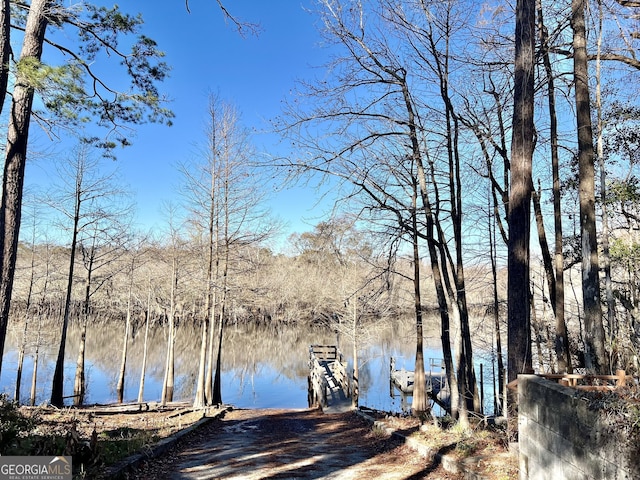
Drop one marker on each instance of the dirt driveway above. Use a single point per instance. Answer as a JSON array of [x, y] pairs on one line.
[[286, 444]]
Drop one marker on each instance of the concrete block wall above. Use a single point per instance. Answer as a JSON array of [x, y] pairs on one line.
[[559, 437]]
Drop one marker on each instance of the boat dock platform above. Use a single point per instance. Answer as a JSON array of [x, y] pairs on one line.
[[329, 386], [437, 386]]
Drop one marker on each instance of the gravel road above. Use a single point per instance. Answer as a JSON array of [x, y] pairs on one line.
[[290, 444]]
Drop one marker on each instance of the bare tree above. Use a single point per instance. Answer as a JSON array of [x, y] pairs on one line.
[[147, 321], [100, 248], [28, 301], [86, 200], [242, 26], [224, 200], [176, 252], [134, 254]]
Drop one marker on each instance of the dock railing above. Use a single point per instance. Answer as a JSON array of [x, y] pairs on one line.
[[584, 381], [326, 364], [325, 353]]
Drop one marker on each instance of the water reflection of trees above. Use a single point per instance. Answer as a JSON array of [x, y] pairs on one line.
[[251, 351]]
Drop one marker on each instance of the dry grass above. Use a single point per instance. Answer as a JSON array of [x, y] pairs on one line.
[[97, 437], [481, 448]]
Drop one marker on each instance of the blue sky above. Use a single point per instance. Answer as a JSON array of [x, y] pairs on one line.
[[207, 55], [254, 73]]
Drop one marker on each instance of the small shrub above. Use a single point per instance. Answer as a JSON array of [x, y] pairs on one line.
[[619, 412], [13, 425]]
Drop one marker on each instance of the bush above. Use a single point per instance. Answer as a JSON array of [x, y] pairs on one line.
[[13, 425]]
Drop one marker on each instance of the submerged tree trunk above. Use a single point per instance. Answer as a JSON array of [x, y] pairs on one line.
[[169, 372], [146, 345], [21, 349], [34, 374], [204, 387], [79, 387], [23, 343], [168, 383], [57, 399], [125, 339], [199, 400], [36, 353], [216, 398], [216, 395], [211, 346]]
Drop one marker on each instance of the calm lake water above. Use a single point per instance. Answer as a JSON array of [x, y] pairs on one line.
[[262, 367]]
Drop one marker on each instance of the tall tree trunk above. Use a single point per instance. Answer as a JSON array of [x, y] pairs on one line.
[[466, 373], [544, 245], [125, 339], [355, 390], [21, 350], [226, 208], [562, 336], [216, 394], [519, 314], [471, 393], [499, 400], [537, 330], [420, 403], [200, 400], [147, 319], [211, 346], [36, 358], [168, 383], [457, 412], [595, 354], [204, 389], [23, 343], [5, 49], [216, 398], [58, 375], [79, 388], [171, 363], [431, 243], [36, 353], [606, 257], [16, 157]]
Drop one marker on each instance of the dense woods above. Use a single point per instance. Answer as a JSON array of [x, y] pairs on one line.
[[484, 164]]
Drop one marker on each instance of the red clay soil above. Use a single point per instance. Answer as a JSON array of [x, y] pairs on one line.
[[286, 444]]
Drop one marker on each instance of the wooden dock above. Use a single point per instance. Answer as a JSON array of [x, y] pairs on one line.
[[436, 382], [329, 386]]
